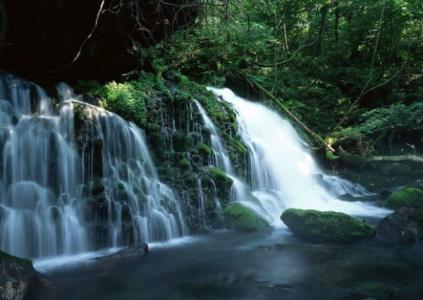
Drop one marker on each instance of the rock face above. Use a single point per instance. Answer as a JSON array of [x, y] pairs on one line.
[[84, 39], [242, 218], [407, 197], [18, 278], [325, 227], [404, 226]]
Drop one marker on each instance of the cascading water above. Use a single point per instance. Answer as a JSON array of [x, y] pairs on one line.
[[240, 192], [283, 173], [39, 182], [58, 160], [221, 157]]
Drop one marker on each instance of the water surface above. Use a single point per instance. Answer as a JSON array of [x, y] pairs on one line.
[[228, 265]]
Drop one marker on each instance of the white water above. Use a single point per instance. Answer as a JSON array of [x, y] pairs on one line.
[[283, 172], [221, 158], [50, 166]]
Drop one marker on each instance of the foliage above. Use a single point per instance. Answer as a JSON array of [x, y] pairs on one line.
[[329, 61], [325, 227], [395, 117], [242, 218], [128, 99]]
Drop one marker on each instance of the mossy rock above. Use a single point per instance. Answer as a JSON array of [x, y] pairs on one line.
[[244, 219], [184, 164], [221, 180], [204, 150], [407, 197], [325, 227]]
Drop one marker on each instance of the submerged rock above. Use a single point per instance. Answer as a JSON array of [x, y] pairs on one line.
[[407, 197], [325, 227], [404, 226], [130, 253], [243, 218], [18, 278]]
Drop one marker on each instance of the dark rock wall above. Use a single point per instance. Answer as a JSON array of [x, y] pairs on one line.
[[43, 38]]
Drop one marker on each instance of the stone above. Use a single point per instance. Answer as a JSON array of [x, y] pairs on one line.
[[406, 197], [18, 278], [404, 226], [325, 227], [242, 218]]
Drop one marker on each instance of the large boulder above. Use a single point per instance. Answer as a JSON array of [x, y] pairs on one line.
[[242, 218], [406, 197], [18, 278], [85, 39], [325, 227], [404, 226]]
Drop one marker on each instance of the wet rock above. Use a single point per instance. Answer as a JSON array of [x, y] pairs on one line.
[[404, 226], [18, 278], [375, 290], [244, 219], [325, 227]]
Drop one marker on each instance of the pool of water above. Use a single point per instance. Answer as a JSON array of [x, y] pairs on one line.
[[227, 265]]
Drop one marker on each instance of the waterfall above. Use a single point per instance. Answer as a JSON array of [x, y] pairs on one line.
[[221, 158], [283, 172], [75, 177], [240, 192]]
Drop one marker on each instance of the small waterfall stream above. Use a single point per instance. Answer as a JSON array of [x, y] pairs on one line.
[[75, 177]]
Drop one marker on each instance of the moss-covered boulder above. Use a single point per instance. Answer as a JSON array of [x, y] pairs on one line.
[[325, 227], [407, 197], [244, 219]]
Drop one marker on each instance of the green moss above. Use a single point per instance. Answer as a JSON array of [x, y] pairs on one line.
[[409, 196], [242, 218], [220, 178], [204, 149], [325, 227], [184, 163]]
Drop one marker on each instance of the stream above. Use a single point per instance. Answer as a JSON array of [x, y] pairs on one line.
[[228, 265]]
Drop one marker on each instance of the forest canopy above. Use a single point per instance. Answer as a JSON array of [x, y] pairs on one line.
[[330, 62]]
